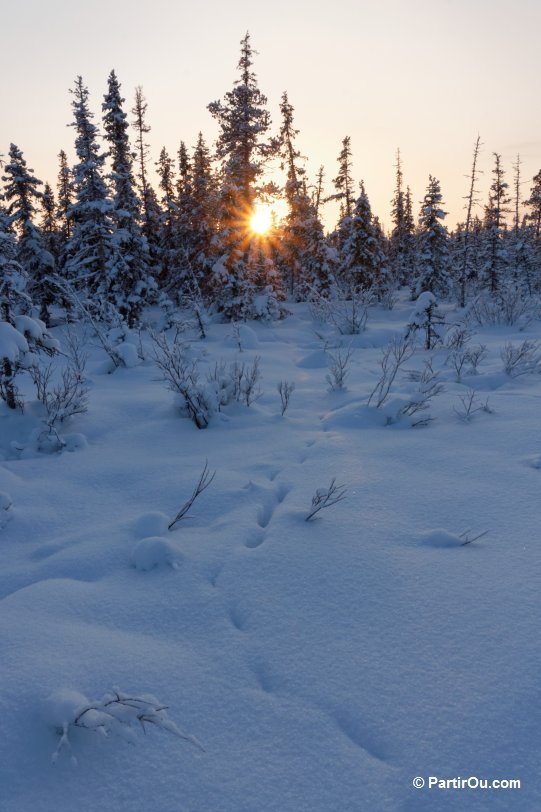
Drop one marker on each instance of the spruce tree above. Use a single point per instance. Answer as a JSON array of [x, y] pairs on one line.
[[64, 196], [150, 210], [168, 244], [401, 239], [90, 251], [305, 255], [48, 224], [243, 148], [21, 193], [204, 215], [495, 253], [363, 261], [534, 204], [432, 250], [130, 278]]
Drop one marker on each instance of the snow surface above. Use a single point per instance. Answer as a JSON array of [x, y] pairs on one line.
[[322, 665]]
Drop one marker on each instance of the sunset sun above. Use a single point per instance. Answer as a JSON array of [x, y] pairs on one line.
[[261, 219]]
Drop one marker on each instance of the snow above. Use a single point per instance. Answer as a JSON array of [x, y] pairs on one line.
[[12, 342], [322, 665]]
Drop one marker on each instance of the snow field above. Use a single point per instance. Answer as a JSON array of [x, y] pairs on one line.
[[322, 665]]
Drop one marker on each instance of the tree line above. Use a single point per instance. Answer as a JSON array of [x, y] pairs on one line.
[[120, 243]]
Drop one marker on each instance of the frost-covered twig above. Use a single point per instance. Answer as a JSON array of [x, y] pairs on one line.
[[326, 497], [115, 712], [204, 481]]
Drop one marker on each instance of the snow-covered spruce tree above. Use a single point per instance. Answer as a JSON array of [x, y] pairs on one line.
[[64, 197], [150, 210], [496, 258], [432, 245], [427, 317], [363, 261], [305, 254], [49, 226], [203, 215], [534, 204], [169, 251], [21, 193], [401, 243], [241, 146], [131, 277], [91, 264], [20, 335]]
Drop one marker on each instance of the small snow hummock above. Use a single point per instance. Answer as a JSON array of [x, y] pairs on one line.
[[153, 523], [156, 551]]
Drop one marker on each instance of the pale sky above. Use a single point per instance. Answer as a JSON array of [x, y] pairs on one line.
[[423, 75]]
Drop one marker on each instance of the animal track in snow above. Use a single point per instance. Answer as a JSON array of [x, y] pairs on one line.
[[256, 539], [357, 732], [239, 617]]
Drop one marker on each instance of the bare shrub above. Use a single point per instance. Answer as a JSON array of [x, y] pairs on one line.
[[345, 307], [338, 368], [326, 497], [285, 390], [202, 484], [397, 352], [509, 306], [428, 387], [521, 359], [469, 405], [62, 400]]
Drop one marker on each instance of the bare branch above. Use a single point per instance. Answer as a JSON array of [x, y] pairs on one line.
[[204, 481], [326, 497]]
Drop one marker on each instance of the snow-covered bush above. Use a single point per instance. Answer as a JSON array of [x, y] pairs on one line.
[[415, 403], [345, 306], [509, 306], [182, 376], [237, 381], [116, 713], [20, 341], [339, 363], [427, 317], [521, 359]]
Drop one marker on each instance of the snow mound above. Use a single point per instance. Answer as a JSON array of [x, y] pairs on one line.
[[314, 360], [441, 538], [128, 354], [156, 551], [153, 523], [534, 461], [75, 441], [245, 336], [61, 707]]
